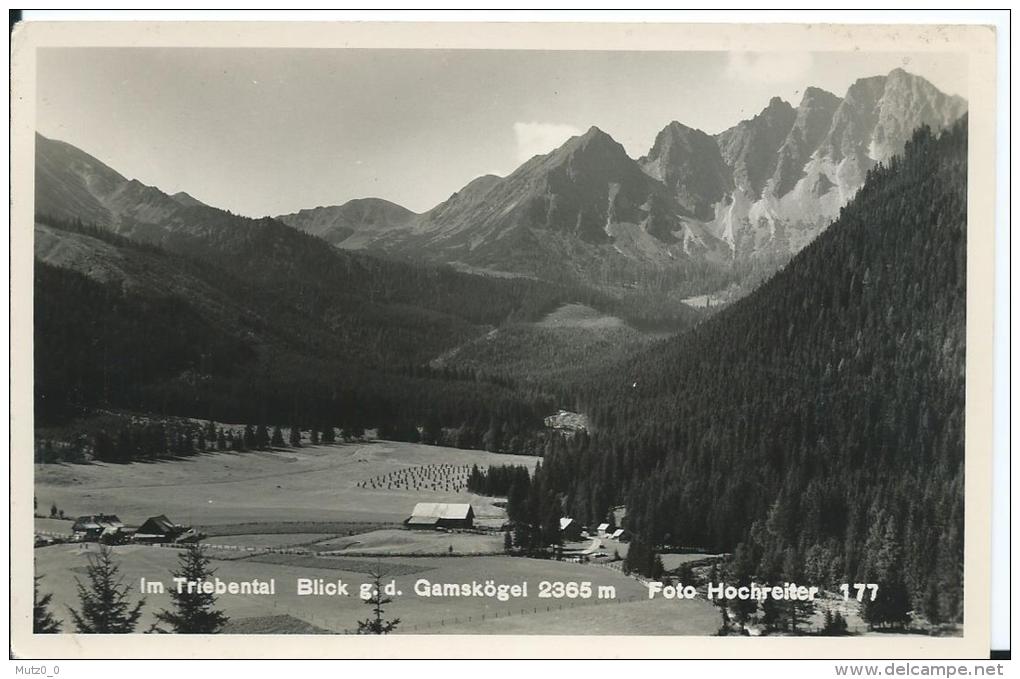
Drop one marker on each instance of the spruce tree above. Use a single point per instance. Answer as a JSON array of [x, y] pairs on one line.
[[193, 612], [741, 572], [376, 624], [834, 624], [295, 436], [105, 608], [277, 439], [43, 621], [891, 607]]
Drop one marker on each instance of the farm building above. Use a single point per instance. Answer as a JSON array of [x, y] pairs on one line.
[[159, 529], [92, 527], [570, 529], [620, 534], [441, 515], [603, 529]]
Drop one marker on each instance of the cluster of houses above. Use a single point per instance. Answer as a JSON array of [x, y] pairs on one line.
[[573, 530], [453, 515], [110, 529]]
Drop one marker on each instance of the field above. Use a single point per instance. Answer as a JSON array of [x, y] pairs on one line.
[[307, 513], [314, 483], [580, 316], [394, 541]]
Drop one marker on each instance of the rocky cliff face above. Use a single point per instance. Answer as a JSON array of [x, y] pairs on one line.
[[690, 164], [781, 200], [810, 126], [750, 147]]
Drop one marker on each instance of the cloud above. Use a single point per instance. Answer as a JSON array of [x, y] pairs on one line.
[[534, 138], [768, 67]]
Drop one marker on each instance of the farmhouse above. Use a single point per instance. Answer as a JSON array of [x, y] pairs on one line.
[[570, 529], [441, 515], [92, 527], [159, 529]]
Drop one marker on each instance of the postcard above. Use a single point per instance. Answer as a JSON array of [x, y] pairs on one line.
[[501, 340]]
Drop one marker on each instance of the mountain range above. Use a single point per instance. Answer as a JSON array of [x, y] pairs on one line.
[[695, 205]]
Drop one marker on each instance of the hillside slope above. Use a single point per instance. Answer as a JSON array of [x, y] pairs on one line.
[[819, 420]]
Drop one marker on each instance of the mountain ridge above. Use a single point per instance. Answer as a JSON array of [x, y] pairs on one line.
[[729, 207]]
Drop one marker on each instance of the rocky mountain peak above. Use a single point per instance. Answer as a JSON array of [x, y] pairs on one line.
[[811, 124], [593, 141], [815, 97], [688, 162], [186, 199], [880, 113], [750, 147]]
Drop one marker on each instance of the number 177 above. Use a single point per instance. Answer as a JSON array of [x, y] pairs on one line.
[[860, 588]]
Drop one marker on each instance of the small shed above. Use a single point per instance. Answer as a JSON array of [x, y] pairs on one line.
[[441, 515], [603, 529], [570, 529], [621, 534]]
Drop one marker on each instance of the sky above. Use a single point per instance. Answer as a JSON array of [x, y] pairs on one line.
[[271, 131]]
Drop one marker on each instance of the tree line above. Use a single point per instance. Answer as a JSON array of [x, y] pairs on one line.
[[499, 480]]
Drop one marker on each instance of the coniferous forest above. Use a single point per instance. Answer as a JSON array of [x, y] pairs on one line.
[[817, 426]]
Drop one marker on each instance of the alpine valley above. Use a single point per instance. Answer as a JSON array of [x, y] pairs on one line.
[[748, 344]]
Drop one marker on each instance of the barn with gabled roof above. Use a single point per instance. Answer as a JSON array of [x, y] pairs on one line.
[[570, 529], [159, 529], [441, 515]]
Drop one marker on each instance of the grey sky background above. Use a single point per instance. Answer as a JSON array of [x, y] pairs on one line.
[[271, 131]]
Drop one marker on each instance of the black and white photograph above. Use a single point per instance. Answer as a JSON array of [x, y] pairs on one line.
[[427, 341]]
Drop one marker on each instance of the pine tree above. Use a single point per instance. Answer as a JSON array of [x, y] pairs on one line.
[[376, 624], [742, 573], [931, 605], [104, 605], [657, 569], [43, 621], [891, 607], [295, 436], [194, 612], [834, 625], [104, 450], [508, 542]]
